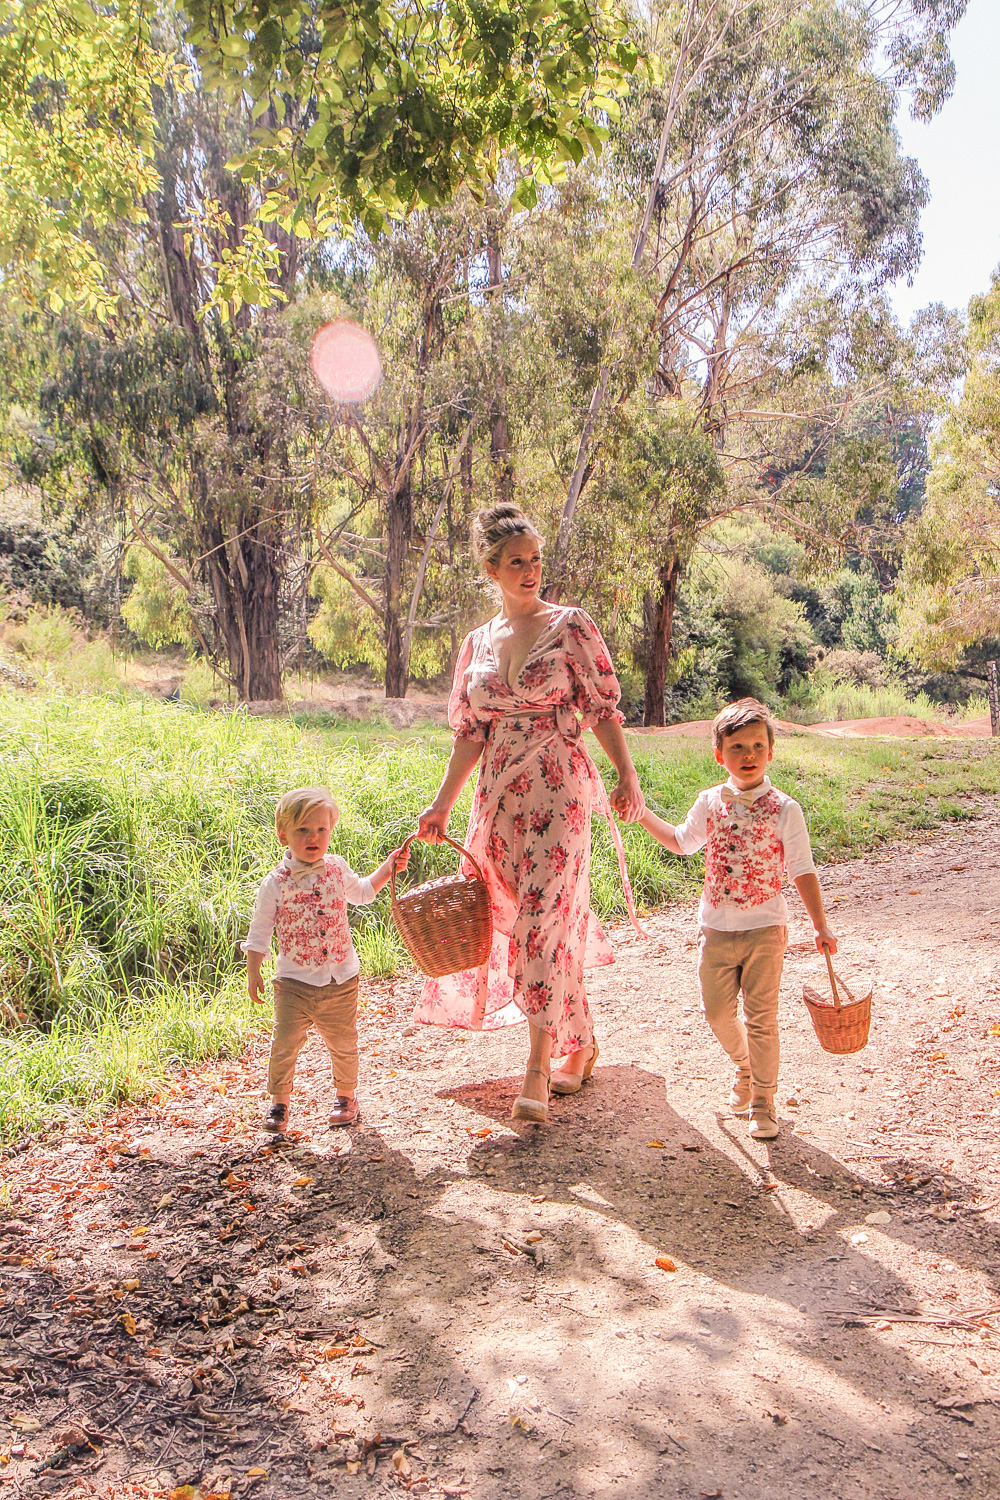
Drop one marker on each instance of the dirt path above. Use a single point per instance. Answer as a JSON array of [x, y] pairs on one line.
[[215, 1312]]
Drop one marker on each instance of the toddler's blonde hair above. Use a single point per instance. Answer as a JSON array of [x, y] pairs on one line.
[[293, 806]]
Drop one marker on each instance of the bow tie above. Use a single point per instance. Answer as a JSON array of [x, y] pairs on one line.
[[745, 799], [300, 870]]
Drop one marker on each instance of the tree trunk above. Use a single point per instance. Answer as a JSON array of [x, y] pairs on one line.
[[500, 454], [399, 521], [244, 574], [658, 620]]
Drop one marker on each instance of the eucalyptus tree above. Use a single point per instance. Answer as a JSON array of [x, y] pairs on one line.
[[949, 587], [772, 201]]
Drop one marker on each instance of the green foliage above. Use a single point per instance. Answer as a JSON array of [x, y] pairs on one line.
[[76, 142], [949, 590], [157, 610], [369, 109], [51, 641]]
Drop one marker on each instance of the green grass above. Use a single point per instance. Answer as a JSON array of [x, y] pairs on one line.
[[133, 836]]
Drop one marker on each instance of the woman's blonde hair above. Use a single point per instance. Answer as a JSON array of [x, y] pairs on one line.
[[494, 528], [294, 805]]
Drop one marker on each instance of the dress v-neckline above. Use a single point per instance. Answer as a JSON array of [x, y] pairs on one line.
[[510, 685]]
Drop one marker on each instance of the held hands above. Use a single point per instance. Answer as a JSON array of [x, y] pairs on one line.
[[825, 939], [433, 824], [627, 799], [399, 858]]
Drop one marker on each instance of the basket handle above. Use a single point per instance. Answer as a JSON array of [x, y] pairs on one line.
[[833, 981], [460, 847]]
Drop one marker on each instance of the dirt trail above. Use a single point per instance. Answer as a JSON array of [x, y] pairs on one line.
[[206, 1306]]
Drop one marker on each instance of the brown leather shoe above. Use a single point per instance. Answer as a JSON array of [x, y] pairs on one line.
[[345, 1111]]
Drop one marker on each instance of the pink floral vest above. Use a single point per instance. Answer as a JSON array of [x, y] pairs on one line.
[[312, 924], [745, 859]]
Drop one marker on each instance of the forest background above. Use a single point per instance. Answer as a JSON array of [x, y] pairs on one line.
[[645, 295]]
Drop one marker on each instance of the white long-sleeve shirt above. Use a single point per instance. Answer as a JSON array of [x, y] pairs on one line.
[[692, 835], [358, 892]]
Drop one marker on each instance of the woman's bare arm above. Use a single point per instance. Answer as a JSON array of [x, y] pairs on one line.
[[433, 822], [626, 799]]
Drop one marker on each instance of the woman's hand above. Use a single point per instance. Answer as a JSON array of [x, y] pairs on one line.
[[627, 799], [432, 824]]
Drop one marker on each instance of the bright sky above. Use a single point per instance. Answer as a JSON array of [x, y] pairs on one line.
[[957, 152]]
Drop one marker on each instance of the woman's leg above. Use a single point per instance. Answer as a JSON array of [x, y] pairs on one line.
[[535, 1084]]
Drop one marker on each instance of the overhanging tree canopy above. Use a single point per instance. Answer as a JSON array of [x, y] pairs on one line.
[[370, 107]]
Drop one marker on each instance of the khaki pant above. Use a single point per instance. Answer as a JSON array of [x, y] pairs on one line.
[[751, 961], [333, 1010]]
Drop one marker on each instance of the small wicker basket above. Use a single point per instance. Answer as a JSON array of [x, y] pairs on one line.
[[446, 924], [843, 1026]]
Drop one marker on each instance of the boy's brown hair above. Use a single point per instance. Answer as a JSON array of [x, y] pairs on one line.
[[740, 715]]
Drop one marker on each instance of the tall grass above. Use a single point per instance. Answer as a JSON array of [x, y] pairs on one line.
[[133, 836]]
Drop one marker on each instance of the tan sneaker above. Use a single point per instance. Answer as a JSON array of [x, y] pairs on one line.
[[739, 1099], [763, 1120]]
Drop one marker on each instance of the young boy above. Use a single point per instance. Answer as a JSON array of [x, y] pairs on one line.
[[751, 833], [316, 977]]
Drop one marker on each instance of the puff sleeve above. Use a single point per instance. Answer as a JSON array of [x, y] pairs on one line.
[[596, 690], [461, 714]]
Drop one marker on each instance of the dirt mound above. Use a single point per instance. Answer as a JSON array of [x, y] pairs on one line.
[[898, 726]]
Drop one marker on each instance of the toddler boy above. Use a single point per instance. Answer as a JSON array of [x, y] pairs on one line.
[[752, 833], [305, 900]]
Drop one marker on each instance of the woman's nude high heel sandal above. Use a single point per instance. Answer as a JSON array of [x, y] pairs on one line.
[[534, 1110], [572, 1083]]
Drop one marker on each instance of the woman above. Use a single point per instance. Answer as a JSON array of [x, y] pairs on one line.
[[527, 683]]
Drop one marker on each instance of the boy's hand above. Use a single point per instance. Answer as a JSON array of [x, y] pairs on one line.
[[400, 858], [825, 939], [255, 983], [627, 799]]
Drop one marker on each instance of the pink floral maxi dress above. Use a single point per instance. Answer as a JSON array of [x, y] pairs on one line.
[[529, 829]]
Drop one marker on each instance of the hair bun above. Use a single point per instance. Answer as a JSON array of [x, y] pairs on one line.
[[492, 529]]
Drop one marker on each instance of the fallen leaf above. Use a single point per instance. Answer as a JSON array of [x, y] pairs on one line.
[[401, 1463], [779, 1418], [141, 1229], [128, 1323], [166, 1200], [479, 1135], [256, 1473], [186, 1492], [303, 1181], [657, 1145], [533, 1238], [994, 1030], [72, 1437], [519, 1423], [665, 1263], [22, 1422], [131, 1286], [686, 1146], [354, 1466]]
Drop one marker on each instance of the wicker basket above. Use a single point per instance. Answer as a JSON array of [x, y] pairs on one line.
[[446, 924], [843, 1026]]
